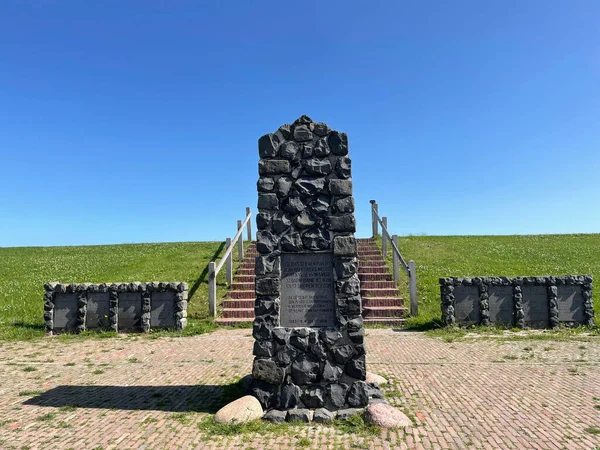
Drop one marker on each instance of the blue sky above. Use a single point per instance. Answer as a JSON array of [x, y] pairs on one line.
[[132, 121]]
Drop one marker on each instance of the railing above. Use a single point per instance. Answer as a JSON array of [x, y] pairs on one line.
[[213, 269], [410, 268]]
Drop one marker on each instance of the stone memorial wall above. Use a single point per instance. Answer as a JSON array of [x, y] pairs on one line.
[[309, 349], [117, 306], [534, 302]]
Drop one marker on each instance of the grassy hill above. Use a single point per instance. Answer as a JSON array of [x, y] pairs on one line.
[[24, 270]]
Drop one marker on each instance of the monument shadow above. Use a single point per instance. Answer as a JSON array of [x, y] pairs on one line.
[[182, 398]]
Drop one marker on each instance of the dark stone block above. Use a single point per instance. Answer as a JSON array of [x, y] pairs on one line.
[[322, 148], [267, 265], [290, 150], [303, 120], [265, 184], [304, 220], [348, 287], [354, 305], [356, 367], [307, 150], [321, 129], [283, 186], [344, 167], [331, 372], [340, 187], [331, 337], [268, 201], [344, 223], [358, 396], [261, 329], [266, 241], [290, 396], [268, 145], [313, 397], [281, 222], [265, 306], [342, 353], [309, 186], [317, 166], [355, 324], [293, 205], [305, 369], [286, 130], [345, 268], [263, 349], [286, 354], [318, 349], [275, 416], [265, 393], [344, 205], [302, 133], [338, 142], [268, 286], [316, 239], [299, 415], [273, 167], [300, 342], [345, 246], [320, 205], [322, 415], [268, 371], [291, 243], [280, 335], [357, 337], [336, 395]]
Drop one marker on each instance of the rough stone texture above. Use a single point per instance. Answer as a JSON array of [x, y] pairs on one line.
[[154, 300], [386, 416], [306, 205], [376, 379], [300, 415], [451, 287], [323, 415], [242, 410], [275, 416]]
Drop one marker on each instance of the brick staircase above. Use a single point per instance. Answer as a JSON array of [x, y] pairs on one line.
[[382, 304]]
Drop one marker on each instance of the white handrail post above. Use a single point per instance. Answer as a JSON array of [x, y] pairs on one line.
[[229, 266], [384, 238], [212, 290], [396, 260], [249, 226], [374, 217], [240, 243], [414, 305]]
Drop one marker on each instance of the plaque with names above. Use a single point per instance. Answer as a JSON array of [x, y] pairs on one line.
[[570, 304], [65, 311], [97, 310], [535, 306], [130, 310], [501, 304], [307, 291], [466, 304], [161, 311]]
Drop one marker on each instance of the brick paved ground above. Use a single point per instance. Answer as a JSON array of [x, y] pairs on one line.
[[141, 393]]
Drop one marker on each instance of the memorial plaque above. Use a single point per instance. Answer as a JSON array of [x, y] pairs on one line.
[[535, 306], [97, 310], [570, 304], [307, 292], [501, 304], [65, 311], [161, 310], [466, 304], [130, 310]]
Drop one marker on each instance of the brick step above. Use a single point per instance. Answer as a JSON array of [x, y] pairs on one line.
[[240, 295], [369, 252], [240, 286], [371, 263], [371, 269], [243, 278], [375, 302], [245, 271], [232, 322], [243, 304], [376, 293], [395, 322], [374, 276], [377, 284], [238, 313], [384, 311], [247, 265]]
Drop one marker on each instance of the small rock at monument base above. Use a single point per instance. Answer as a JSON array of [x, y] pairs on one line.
[[374, 378], [386, 416], [275, 416], [242, 410], [344, 414], [300, 415], [323, 415]]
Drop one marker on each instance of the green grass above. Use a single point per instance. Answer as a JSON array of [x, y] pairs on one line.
[[23, 271], [460, 256]]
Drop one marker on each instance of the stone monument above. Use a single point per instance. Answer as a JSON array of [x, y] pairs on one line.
[[308, 329]]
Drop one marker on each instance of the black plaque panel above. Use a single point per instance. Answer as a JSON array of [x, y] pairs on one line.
[[65, 311], [130, 310], [307, 293], [570, 304], [501, 304], [161, 311], [466, 304], [535, 306], [97, 310]]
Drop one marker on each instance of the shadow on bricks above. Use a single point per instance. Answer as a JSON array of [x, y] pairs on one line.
[[194, 398]]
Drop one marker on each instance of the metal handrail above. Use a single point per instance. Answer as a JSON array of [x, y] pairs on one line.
[[410, 268], [213, 269]]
